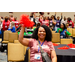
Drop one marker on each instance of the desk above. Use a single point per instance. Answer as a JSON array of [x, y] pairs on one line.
[[65, 55]]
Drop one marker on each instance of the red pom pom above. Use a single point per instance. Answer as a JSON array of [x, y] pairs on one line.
[[63, 48], [25, 21], [55, 44], [71, 45]]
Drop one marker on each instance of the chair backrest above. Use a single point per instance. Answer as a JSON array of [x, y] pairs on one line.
[[16, 41], [15, 52], [70, 30], [53, 32], [6, 35], [66, 41], [13, 36], [73, 32], [56, 37]]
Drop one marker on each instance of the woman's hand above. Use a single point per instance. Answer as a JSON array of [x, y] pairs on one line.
[[53, 56]]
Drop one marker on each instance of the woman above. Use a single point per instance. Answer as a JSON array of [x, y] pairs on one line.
[[16, 22], [63, 31], [70, 23], [5, 25], [43, 35], [12, 28], [45, 21], [58, 22], [52, 23]]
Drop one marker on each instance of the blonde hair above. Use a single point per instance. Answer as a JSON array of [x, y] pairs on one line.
[[12, 24]]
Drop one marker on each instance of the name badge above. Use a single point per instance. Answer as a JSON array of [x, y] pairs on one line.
[[5, 26], [57, 23], [50, 24], [61, 36], [37, 56], [31, 19]]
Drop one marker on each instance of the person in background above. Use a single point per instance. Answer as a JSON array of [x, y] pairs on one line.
[[11, 17], [32, 18], [19, 28], [41, 18], [5, 25], [52, 22], [12, 28], [64, 20], [42, 35], [45, 21], [70, 23], [63, 31], [16, 22], [58, 21]]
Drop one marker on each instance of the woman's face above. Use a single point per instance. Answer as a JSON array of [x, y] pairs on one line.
[[62, 26], [41, 33]]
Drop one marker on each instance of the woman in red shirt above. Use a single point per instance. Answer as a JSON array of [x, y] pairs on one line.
[[45, 21], [5, 25], [70, 23], [16, 22]]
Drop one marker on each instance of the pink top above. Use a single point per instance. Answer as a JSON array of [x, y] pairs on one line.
[[46, 22], [33, 44]]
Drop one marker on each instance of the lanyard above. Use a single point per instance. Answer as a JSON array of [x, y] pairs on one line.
[[41, 45]]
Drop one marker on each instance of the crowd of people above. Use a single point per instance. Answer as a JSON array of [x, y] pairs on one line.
[[11, 22]]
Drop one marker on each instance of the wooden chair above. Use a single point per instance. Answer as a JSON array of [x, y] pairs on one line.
[[12, 37], [17, 41], [5, 40], [53, 32], [66, 41], [73, 32], [15, 52], [56, 37], [6, 36], [70, 30]]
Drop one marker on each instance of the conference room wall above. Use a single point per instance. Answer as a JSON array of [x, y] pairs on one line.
[[17, 14]]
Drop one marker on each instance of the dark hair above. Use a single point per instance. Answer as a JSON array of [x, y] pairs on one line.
[[48, 33], [64, 26], [69, 19]]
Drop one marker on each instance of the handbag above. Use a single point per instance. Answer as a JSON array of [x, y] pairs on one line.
[[45, 56]]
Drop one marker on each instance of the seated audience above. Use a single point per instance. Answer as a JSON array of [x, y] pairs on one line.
[[12, 28], [63, 31]]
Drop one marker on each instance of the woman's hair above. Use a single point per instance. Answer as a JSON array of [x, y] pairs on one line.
[[48, 33], [64, 26], [6, 19], [69, 19]]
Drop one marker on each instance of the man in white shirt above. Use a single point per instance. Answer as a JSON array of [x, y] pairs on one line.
[[64, 20]]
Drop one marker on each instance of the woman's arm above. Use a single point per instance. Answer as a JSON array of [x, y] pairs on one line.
[[53, 56], [54, 22], [23, 41]]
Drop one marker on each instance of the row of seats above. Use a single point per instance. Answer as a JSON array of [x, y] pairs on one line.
[[16, 51], [56, 39]]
